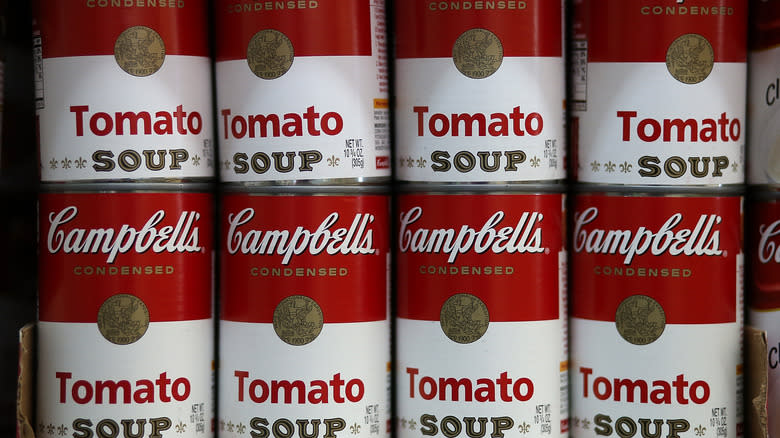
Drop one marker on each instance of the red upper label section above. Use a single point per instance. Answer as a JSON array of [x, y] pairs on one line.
[[681, 251], [503, 249], [764, 24], [333, 249], [643, 30], [764, 255], [91, 27], [314, 27], [428, 29], [156, 246]]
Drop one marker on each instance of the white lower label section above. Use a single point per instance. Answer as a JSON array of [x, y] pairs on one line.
[[507, 127], [161, 384], [335, 386], [769, 321], [764, 109], [98, 122], [508, 383], [685, 384], [325, 118], [642, 126]]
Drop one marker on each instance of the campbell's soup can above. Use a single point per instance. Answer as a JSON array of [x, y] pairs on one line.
[[658, 92], [764, 290], [125, 326], [123, 90], [764, 93], [304, 326], [481, 330], [656, 314], [480, 91], [302, 91]]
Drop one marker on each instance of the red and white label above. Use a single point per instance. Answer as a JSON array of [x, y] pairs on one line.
[[685, 253], [509, 252], [98, 122], [764, 293], [327, 116], [634, 121], [158, 248], [516, 112], [333, 250], [764, 93], [764, 235]]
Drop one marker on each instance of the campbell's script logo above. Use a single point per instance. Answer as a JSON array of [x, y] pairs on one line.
[[768, 250], [357, 239], [524, 236], [701, 240], [179, 238]]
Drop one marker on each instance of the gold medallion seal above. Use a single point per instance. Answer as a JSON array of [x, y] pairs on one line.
[[640, 320], [464, 318], [269, 54], [690, 58], [298, 320], [123, 319], [477, 53], [139, 51]]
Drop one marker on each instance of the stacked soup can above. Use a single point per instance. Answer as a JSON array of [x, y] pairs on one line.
[[658, 134], [763, 226], [303, 127], [481, 341], [124, 116]]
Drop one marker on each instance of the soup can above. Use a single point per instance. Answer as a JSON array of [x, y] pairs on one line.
[[123, 91], [125, 326], [481, 320], [304, 325]]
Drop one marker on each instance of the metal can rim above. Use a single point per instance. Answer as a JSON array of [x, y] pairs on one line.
[[305, 190], [135, 187], [659, 190], [487, 189]]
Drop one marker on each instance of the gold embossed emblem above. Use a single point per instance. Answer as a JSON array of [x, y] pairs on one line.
[[464, 318], [270, 54], [477, 53], [139, 51], [640, 320], [298, 320], [690, 58], [123, 319]]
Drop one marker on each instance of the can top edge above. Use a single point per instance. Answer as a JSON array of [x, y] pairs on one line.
[[124, 187], [305, 189], [764, 192], [491, 188], [660, 190]]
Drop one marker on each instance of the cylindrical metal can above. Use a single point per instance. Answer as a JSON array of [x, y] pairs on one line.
[[656, 314], [304, 326], [302, 91], [764, 289], [481, 330], [658, 92], [764, 93], [125, 325], [123, 90], [480, 90]]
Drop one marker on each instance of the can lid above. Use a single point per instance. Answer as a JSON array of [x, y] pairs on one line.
[[491, 188], [304, 190], [317, 182], [127, 187], [764, 193], [660, 190]]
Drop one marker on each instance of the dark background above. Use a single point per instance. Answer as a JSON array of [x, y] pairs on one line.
[[18, 193]]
